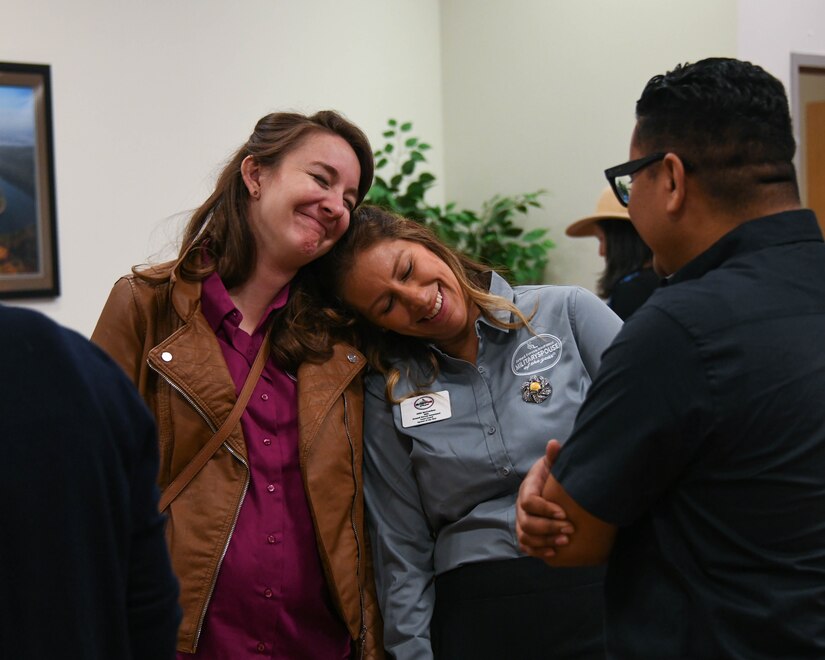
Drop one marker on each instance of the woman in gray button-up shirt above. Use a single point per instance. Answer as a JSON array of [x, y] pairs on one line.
[[475, 392]]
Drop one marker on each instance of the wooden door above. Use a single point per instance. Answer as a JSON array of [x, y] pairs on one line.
[[815, 159]]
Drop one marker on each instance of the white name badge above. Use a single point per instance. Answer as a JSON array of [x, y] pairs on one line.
[[425, 408]]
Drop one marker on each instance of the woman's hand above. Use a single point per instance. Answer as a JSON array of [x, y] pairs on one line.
[[541, 526]]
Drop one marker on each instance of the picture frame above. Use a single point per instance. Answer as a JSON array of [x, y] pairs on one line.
[[28, 218]]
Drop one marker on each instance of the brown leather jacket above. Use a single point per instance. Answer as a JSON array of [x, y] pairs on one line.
[[163, 342]]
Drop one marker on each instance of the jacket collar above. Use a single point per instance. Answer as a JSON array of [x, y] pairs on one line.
[[320, 386], [185, 294]]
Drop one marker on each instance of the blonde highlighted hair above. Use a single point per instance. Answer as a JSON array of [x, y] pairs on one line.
[[384, 349]]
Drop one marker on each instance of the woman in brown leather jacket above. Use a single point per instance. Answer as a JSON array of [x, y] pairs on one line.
[[267, 536]]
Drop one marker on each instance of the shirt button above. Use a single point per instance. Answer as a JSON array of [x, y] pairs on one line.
[[267, 442], [481, 370], [261, 647], [265, 397], [505, 471], [491, 430], [268, 593], [271, 538], [352, 357], [166, 356], [271, 488]]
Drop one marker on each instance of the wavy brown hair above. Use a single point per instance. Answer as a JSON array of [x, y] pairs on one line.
[[385, 348], [219, 230]]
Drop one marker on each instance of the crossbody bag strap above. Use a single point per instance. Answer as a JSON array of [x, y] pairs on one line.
[[208, 450]]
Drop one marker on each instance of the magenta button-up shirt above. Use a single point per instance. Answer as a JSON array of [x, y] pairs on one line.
[[270, 598]]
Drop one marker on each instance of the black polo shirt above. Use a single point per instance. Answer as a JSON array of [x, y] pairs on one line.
[[703, 439]]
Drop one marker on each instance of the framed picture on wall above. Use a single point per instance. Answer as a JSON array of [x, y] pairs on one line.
[[28, 222]]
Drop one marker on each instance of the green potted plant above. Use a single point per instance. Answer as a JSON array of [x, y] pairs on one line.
[[490, 236]]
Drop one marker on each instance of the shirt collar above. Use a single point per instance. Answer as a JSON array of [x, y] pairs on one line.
[[500, 287], [218, 307], [770, 230]]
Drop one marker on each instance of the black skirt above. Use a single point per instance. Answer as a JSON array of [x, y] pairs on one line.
[[518, 609]]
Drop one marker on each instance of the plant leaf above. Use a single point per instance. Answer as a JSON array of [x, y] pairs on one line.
[[491, 235]]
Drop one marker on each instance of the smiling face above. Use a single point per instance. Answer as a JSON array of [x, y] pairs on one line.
[[301, 207], [404, 287]]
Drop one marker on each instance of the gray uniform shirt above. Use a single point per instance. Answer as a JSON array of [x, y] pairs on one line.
[[441, 479]]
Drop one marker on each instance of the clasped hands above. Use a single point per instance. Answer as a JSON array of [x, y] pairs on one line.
[[541, 525]]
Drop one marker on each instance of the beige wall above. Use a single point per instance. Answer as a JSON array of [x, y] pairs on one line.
[[541, 94], [770, 31], [514, 95], [151, 96]]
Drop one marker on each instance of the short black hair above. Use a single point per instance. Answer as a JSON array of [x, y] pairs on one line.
[[728, 120]]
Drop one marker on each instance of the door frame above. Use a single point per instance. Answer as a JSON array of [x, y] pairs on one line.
[[799, 63]]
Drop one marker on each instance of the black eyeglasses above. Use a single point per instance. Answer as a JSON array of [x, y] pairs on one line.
[[620, 177]]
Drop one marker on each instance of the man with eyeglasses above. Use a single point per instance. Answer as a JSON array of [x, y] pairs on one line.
[[696, 467]]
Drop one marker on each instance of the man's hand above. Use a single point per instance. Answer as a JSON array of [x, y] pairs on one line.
[[541, 526]]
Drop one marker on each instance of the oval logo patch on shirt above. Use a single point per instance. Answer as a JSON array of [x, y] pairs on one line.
[[535, 355]]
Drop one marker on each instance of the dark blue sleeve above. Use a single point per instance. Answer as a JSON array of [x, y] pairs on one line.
[[83, 562], [152, 591], [644, 421], [151, 598]]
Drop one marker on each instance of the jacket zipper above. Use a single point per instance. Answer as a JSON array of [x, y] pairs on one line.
[[197, 408], [209, 423], [225, 547], [362, 636]]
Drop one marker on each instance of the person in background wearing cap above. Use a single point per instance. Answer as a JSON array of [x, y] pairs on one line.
[[628, 278]]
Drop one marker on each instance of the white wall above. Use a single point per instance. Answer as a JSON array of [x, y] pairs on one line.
[[514, 95], [541, 94], [150, 97], [770, 30]]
